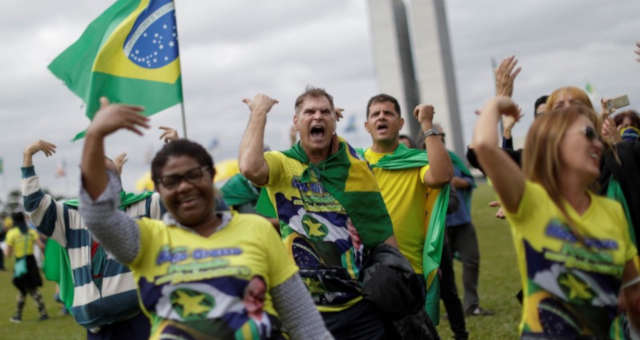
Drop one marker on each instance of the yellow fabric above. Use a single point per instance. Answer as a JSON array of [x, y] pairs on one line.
[[188, 278], [16, 240], [562, 277], [406, 197], [313, 226]]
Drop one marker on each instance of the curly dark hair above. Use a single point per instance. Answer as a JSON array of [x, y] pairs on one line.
[[180, 147]]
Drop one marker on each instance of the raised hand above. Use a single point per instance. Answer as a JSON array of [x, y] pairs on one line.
[[507, 107], [168, 134], [424, 115], [41, 145], [609, 131], [605, 110], [508, 122], [119, 161], [260, 103], [113, 117], [505, 75], [47, 148]]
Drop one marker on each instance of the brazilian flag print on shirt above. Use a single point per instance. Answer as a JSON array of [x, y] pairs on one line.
[[129, 54], [215, 287], [570, 286], [328, 213]]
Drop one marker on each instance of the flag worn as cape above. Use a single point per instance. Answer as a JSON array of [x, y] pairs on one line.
[[237, 191], [406, 158], [347, 177], [128, 54]]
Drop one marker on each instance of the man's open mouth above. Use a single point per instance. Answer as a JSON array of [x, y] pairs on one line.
[[317, 131]]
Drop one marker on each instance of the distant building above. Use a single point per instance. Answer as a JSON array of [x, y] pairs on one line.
[[414, 63]]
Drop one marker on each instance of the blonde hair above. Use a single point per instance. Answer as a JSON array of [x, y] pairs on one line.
[[541, 156], [578, 94]]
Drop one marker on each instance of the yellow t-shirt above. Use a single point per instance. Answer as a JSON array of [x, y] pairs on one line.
[[17, 240], [569, 289], [205, 287], [314, 228], [406, 198]]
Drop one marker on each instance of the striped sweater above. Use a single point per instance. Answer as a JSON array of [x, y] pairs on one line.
[[104, 290]]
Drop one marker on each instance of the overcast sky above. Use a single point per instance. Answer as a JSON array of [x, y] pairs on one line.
[[234, 49]]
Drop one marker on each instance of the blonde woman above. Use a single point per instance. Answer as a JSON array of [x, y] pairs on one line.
[[574, 250]]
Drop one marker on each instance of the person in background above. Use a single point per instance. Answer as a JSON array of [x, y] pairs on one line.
[[26, 274]]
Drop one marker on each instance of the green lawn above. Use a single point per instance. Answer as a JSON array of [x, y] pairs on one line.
[[499, 281], [499, 278], [58, 327]]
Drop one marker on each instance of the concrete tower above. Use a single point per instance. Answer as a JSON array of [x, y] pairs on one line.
[[417, 63]]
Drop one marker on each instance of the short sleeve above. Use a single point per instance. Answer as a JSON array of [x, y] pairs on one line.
[[533, 199], [274, 162], [148, 227], [11, 238], [423, 172], [280, 264]]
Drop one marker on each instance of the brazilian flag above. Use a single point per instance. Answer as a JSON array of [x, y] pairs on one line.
[[129, 54]]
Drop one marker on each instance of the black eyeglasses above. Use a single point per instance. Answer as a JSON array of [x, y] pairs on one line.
[[591, 133], [192, 176]]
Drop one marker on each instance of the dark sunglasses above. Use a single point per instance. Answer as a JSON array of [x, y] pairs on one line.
[[192, 176], [591, 133]]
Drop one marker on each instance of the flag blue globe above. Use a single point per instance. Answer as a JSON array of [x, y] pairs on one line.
[[153, 39]]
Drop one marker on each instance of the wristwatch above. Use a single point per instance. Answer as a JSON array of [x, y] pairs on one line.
[[432, 132]]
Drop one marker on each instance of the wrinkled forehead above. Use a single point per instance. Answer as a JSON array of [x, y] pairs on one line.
[[315, 103]]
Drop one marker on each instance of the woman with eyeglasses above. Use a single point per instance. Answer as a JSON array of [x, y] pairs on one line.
[[574, 250], [201, 274]]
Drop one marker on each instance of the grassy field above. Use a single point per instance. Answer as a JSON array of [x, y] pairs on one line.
[[499, 281]]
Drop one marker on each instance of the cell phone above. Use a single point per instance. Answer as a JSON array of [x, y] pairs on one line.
[[618, 102]]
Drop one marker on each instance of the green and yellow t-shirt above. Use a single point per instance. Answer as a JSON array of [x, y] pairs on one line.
[[17, 241], [316, 230], [406, 197], [570, 286], [211, 287]]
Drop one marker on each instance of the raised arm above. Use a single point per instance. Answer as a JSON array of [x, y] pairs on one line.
[[99, 196], [110, 118], [505, 76], [440, 167], [45, 212], [507, 178], [251, 160]]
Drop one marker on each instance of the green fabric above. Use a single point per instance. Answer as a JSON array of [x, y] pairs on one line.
[[264, 206], [238, 190], [432, 253], [406, 158], [126, 199], [57, 268], [365, 208], [614, 191], [75, 67]]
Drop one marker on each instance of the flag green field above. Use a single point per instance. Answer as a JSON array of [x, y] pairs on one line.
[[128, 54]]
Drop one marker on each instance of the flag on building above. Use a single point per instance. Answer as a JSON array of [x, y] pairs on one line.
[[128, 54]]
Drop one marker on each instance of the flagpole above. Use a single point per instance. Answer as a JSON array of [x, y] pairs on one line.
[[184, 118]]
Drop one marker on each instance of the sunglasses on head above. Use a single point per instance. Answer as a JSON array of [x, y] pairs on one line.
[[192, 176]]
